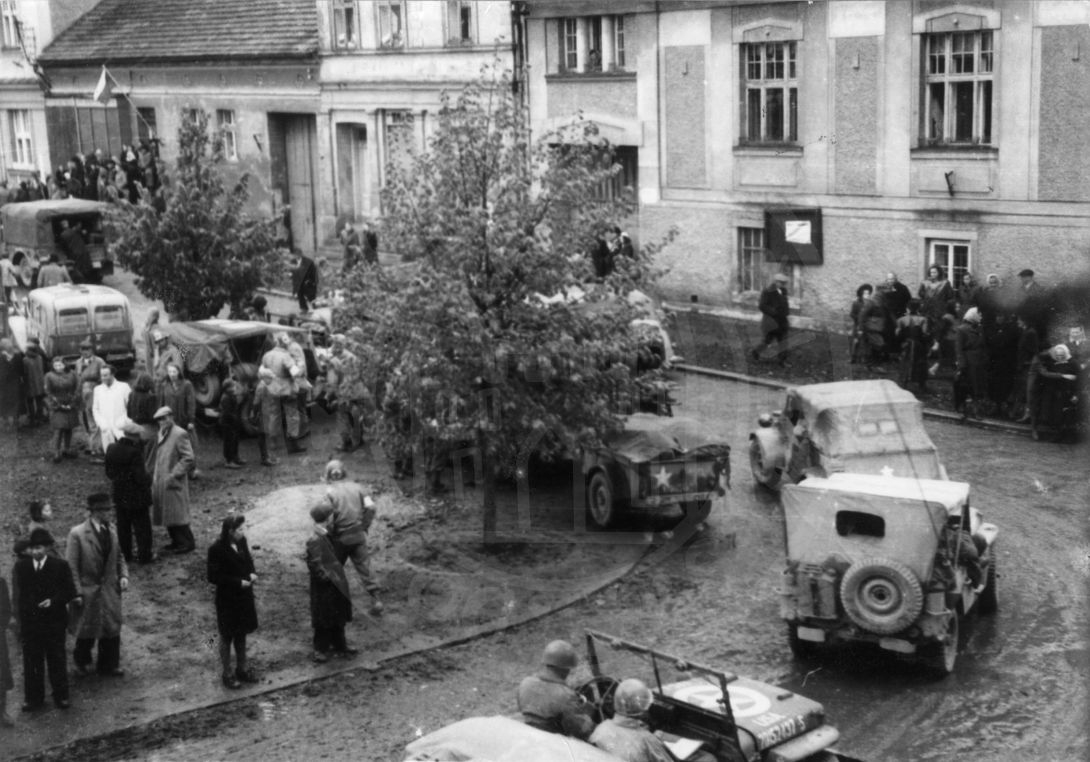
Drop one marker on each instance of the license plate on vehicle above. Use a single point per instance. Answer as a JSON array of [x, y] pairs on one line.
[[811, 634]]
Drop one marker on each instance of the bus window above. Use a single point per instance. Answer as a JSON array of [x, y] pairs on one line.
[[109, 317], [72, 320]]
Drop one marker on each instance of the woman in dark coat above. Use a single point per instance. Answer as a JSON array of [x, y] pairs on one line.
[[972, 366], [330, 598], [862, 295], [231, 570], [63, 398], [11, 383], [915, 341], [936, 298], [143, 402]]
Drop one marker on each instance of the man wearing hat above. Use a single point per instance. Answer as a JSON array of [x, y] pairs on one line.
[[43, 587], [172, 464], [94, 555], [131, 489], [89, 372], [774, 308]]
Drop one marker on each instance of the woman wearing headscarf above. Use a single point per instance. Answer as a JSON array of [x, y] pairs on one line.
[[1052, 387]]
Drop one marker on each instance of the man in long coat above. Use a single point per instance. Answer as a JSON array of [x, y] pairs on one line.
[[131, 488], [101, 575], [172, 463], [42, 588]]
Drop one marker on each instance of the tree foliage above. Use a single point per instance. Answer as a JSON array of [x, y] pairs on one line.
[[195, 247], [458, 343]]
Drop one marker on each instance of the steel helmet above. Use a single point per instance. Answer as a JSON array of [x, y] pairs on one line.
[[632, 698], [334, 471], [560, 654]]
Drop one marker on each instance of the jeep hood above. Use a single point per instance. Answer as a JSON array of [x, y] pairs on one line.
[[766, 715]]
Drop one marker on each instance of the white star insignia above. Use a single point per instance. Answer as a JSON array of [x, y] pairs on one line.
[[662, 478], [887, 471]]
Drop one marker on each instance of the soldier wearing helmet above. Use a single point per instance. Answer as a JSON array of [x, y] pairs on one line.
[[547, 702], [626, 735], [353, 513]]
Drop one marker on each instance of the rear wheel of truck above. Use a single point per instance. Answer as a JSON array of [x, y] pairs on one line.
[[600, 509]]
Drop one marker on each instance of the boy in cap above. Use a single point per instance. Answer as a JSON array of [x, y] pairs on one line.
[[44, 588]]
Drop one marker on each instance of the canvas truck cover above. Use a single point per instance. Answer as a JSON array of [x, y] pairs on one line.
[[913, 512], [867, 426], [501, 739], [206, 341], [30, 222]]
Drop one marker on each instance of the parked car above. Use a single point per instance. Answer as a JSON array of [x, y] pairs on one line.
[[34, 228], [61, 317], [653, 464], [215, 349], [895, 562], [855, 426], [695, 706]]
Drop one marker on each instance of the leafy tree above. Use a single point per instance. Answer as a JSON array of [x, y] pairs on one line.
[[459, 345], [194, 246]]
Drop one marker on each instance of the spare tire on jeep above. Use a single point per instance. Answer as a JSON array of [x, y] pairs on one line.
[[880, 595]]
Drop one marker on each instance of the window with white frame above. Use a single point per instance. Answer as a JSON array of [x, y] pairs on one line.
[[345, 25], [9, 18], [958, 73], [591, 44], [953, 256], [461, 22], [391, 23], [754, 270], [770, 81], [22, 143], [225, 126]]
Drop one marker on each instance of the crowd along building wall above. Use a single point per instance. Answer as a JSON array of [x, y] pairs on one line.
[[834, 141]]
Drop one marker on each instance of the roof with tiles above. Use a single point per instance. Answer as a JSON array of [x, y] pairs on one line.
[[164, 31]]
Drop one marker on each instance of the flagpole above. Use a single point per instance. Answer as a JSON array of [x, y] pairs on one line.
[[128, 97]]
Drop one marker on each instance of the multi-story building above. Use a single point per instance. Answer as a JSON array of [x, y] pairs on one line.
[[384, 65], [251, 66], [835, 140], [27, 26]]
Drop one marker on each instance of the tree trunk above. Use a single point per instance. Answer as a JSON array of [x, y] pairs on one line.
[[488, 491]]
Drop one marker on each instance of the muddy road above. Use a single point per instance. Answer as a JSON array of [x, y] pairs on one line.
[[1019, 691]]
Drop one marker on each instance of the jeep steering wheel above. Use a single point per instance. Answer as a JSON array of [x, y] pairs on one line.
[[598, 693]]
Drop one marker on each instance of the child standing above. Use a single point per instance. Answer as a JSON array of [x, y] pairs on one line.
[[264, 410], [231, 422], [330, 600]]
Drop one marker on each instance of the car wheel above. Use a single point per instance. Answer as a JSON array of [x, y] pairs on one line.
[[881, 596], [206, 388], [942, 656], [989, 598], [600, 511], [804, 650], [764, 473]]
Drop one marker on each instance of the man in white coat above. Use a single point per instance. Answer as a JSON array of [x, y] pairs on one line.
[[108, 406]]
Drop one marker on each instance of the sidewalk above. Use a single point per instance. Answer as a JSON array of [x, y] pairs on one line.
[[723, 344]]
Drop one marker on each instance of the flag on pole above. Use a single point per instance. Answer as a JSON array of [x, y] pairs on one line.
[[104, 89]]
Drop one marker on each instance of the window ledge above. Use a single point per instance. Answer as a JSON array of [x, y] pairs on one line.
[[768, 149], [579, 76], [954, 151]]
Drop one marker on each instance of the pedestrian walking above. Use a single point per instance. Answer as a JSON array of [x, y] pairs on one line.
[[62, 398], [172, 464], [131, 490], [43, 588], [330, 599], [101, 574], [353, 514], [774, 307], [231, 570]]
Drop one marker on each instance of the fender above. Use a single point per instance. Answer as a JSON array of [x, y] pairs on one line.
[[775, 453]]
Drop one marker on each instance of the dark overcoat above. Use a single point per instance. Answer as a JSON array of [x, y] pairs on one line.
[[236, 612]]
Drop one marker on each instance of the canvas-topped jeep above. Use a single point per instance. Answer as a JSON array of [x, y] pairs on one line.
[[854, 426], [891, 561], [695, 708]]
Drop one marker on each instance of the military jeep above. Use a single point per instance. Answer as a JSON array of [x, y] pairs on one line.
[[696, 708], [890, 561], [853, 426]]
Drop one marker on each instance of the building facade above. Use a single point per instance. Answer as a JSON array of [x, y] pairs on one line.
[[384, 64], [833, 141], [26, 27], [252, 67]]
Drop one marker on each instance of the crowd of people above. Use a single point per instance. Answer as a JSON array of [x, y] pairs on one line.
[[992, 336], [80, 591], [93, 176]]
